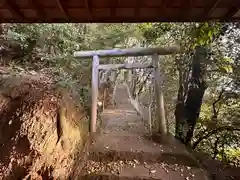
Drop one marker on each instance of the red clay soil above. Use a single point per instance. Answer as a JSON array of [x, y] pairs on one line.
[[41, 129], [123, 151]]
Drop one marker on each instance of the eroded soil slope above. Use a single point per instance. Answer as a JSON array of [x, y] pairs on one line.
[[42, 129]]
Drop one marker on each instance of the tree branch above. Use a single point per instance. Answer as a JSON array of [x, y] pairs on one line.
[[144, 82], [215, 112], [217, 130], [215, 148]]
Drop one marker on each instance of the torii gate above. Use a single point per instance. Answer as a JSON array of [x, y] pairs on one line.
[[154, 52]]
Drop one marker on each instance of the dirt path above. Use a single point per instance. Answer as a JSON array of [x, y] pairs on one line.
[[123, 151]]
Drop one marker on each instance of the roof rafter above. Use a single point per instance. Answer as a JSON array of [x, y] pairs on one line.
[[38, 8], [163, 7], [137, 8], [231, 12], [13, 8], [88, 7], [62, 9], [186, 7], [113, 9], [211, 8]]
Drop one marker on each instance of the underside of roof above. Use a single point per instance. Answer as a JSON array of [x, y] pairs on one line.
[[115, 11]]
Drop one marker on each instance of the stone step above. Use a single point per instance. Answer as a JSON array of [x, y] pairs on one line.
[[123, 145], [143, 157], [156, 171]]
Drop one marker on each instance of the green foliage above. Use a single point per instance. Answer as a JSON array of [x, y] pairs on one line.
[[108, 36], [233, 156], [152, 31], [50, 39], [204, 33], [225, 65]]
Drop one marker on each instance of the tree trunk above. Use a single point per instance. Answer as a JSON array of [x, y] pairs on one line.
[[187, 111], [133, 84]]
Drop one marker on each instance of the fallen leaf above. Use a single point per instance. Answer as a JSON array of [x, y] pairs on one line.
[[153, 171], [136, 161]]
